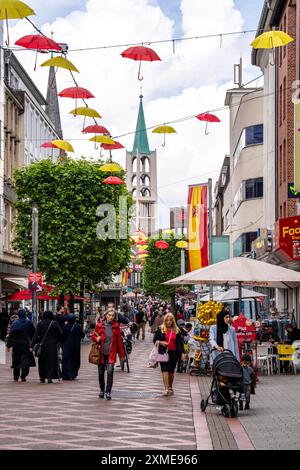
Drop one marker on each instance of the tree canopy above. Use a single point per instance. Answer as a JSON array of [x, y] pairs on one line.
[[160, 266], [68, 194]]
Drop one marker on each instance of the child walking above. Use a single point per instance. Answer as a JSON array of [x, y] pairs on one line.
[[248, 381]]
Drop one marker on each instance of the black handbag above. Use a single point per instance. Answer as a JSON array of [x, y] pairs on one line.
[[37, 348]]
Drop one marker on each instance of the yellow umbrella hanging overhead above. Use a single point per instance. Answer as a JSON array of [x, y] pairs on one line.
[[60, 62], [102, 139], [182, 244], [270, 40], [13, 9], [164, 130], [63, 145], [111, 168], [85, 111]]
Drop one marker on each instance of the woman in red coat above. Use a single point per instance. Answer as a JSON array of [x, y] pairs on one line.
[[108, 334]]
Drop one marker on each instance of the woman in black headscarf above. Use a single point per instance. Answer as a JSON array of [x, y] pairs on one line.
[[71, 342], [48, 334], [223, 336], [19, 339]]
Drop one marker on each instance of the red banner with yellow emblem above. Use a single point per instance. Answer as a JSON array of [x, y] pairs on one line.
[[197, 227]]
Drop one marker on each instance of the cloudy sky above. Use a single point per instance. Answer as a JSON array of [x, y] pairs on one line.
[[192, 80]]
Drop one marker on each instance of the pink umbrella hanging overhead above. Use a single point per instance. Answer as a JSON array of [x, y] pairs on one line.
[[140, 53], [207, 117]]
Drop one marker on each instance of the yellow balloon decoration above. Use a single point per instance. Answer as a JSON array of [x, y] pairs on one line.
[[208, 311]]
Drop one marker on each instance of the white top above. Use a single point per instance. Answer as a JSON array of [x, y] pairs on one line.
[[226, 340]]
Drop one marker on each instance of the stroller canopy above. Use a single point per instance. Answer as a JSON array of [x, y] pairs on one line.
[[226, 364]]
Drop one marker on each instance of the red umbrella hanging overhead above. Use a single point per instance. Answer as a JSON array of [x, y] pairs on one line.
[[208, 118], [161, 245], [95, 129], [114, 146], [113, 180], [140, 53], [76, 92], [48, 145], [38, 42]]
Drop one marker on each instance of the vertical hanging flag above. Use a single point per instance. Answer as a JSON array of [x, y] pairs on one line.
[[197, 227], [124, 278], [297, 147]]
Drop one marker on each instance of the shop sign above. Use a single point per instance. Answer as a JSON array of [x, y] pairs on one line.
[[287, 237]]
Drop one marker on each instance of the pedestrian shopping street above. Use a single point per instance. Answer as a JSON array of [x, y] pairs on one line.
[[70, 416]]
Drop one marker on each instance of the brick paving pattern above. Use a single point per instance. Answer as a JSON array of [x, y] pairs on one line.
[[69, 415]]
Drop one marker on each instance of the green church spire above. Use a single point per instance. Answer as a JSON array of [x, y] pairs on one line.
[[141, 144]]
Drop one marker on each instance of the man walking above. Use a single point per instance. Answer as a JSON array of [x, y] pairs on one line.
[[141, 320]]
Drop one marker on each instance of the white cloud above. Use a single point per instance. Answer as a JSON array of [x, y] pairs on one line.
[[192, 80]]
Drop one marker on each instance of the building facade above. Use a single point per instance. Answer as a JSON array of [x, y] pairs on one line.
[[279, 241], [242, 211], [141, 177], [24, 126]]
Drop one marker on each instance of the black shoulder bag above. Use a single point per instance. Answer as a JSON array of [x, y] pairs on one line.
[[37, 349]]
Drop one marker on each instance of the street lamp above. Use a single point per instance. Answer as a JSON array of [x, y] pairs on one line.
[[35, 244]]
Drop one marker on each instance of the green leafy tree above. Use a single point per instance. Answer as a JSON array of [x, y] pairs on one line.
[[160, 266], [68, 194]]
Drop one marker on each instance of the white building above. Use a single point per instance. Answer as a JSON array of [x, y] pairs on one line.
[[243, 211]]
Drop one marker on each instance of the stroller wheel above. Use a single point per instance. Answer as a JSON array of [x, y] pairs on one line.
[[234, 410], [203, 405], [226, 411]]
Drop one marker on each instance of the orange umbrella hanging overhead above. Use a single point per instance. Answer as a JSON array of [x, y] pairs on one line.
[[76, 92], [164, 130], [140, 53], [60, 62], [14, 9], [208, 118]]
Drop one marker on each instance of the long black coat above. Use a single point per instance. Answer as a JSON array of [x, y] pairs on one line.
[[48, 361], [72, 335], [19, 340]]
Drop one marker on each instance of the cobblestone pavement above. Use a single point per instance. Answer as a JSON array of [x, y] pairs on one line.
[[69, 415]]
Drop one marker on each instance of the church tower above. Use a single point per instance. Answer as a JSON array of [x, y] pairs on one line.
[[142, 177]]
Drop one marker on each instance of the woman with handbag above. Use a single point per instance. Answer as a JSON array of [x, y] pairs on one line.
[[108, 335], [170, 349], [47, 336], [19, 339]]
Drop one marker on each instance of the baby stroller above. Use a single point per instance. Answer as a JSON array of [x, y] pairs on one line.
[[227, 384]]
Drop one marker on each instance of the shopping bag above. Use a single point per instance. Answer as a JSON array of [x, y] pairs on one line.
[[152, 360]]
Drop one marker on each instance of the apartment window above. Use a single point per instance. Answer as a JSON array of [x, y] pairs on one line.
[[280, 212], [284, 99], [284, 161], [238, 198], [252, 135], [253, 188], [280, 165], [284, 210], [226, 220], [243, 243]]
